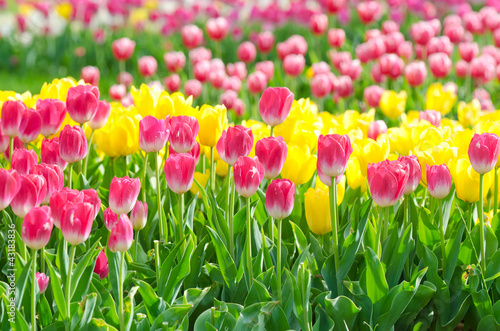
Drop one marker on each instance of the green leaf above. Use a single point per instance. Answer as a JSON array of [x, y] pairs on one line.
[[56, 286], [80, 268], [453, 249], [482, 302], [154, 305], [86, 314], [373, 280], [300, 239], [172, 316], [342, 311], [225, 260], [399, 254], [177, 275]]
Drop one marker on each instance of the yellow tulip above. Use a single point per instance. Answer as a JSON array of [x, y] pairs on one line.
[[317, 207], [371, 151], [300, 165], [440, 99], [221, 168], [212, 121], [468, 113], [58, 88], [202, 179], [65, 10], [467, 180], [355, 177], [303, 116], [259, 130], [146, 99], [393, 104], [165, 106], [436, 155]]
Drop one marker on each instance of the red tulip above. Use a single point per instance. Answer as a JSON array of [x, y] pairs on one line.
[[30, 127], [483, 152], [257, 82], [192, 36], [90, 75], [72, 144], [172, 83], [217, 28], [123, 194], [147, 66], [153, 134], [432, 116], [387, 181], [101, 267], [179, 172], [333, 153], [12, 114], [101, 115], [293, 64], [174, 61], [275, 105], [376, 128], [183, 132], [440, 64], [265, 41], [54, 177], [37, 227], [234, 142], [24, 160], [123, 48], [246, 52], [248, 174], [49, 153], [59, 199], [110, 218], [9, 186], [280, 197], [76, 222], [121, 236], [43, 281], [52, 112], [81, 102], [32, 190], [318, 24], [336, 38], [438, 180], [193, 87], [372, 95], [139, 215], [272, 153], [414, 173], [416, 73]]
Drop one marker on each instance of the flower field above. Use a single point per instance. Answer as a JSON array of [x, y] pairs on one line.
[[249, 165]]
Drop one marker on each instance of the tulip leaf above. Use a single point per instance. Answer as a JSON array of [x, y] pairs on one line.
[[453, 249], [154, 305], [196, 263], [398, 255], [56, 286], [342, 311], [177, 274], [85, 315], [80, 268], [226, 262], [172, 316], [373, 279], [21, 283], [488, 323], [166, 268], [482, 302], [300, 239]]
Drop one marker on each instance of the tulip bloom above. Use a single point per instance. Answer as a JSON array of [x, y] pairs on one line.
[[217, 28], [72, 144], [393, 104], [32, 191], [438, 180], [12, 114], [432, 116], [174, 61], [102, 265], [387, 181], [179, 172], [49, 153], [183, 132], [31, 124], [194, 152], [147, 66], [37, 227], [139, 215], [299, 165], [212, 122], [121, 236], [414, 173], [236, 141], [467, 180], [123, 194], [317, 206], [43, 281], [483, 152], [280, 197], [153, 134], [81, 102], [76, 222], [9, 186], [110, 218], [90, 75], [54, 177], [23, 160], [272, 153], [246, 52], [333, 153], [193, 87], [123, 48], [275, 105], [372, 95], [52, 113], [248, 174], [376, 128], [101, 115], [192, 36], [59, 199], [90, 195]]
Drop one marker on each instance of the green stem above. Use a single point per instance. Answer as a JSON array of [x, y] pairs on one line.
[[120, 297], [469, 219], [231, 214], [158, 198], [72, 251], [333, 214], [386, 224], [42, 260], [441, 224], [249, 245], [136, 244], [272, 131], [270, 224], [86, 159], [379, 232], [157, 261], [33, 292], [279, 268], [212, 169], [495, 194], [122, 66], [143, 177], [70, 175], [180, 227], [406, 212], [481, 220], [11, 149]]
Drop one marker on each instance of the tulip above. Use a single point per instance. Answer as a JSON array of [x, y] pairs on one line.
[[123, 48], [76, 222], [387, 181], [468, 51], [416, 73], [228, 97], [110, 218], [37, 227], [293, 64], [372, 95], [483, 152], [81, 102], [194, 152], [184, 130], [333, 6], [174, 61], [248, 174], [280, 196], [393, 104], [43, 281], [265, 41], [405, 50], [316, 204], [272, 153], [391, 65], [125, 78], [237, 69], [9, 186], [431, 116], [467, 180], [179, 172], [275, 105], [257, 82], [440, 99], [239, 107], [336, 38], [369, 11], [193, 87], [343, 87], [172, 83], [147, 66], [333, 153], [101, 265], [72, 144], [49, 153], [91, 196], [32, 191], [440, 64], [414, 173], [59, 199], [376, 128], [90, 75], [235, 142], [54, 178], [217, 28], [299, 166], [421, 32], [23, 160], [192, 36], [4, 140], [121, 236], [52, 113], [246, 52], [321, 86], [123, 194], [30, 127], [153, 134], [100, 117], [12, 115], [212, 121], [139, 215], [318, 24]]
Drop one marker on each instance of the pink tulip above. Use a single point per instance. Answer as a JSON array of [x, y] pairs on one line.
[[280, 197], [139, 215], [333, 153], [49, 153], [101, 115], [376, 47], [318, 24], [183, 132], [389, 27], [353, 69], [483, 152], [216, 78], [76, 222], [283, 49], [234, 142], [336, 38], [54, 178], [123, 48], [468, 51], [321, 67], [343, 86], [473, 22], [482, 68], [9, 186], [43, 282], [192, 36], [122, 235], [432, 116], [59, 199], [272, 153], [334, 6], [387, 181], [4, 140], [101, 267], [199, 54], [110, 218], [293, 64], [72, 144], [217, 28], [369, 11], [90, 196], [414, 173], [179, 172], [90, 75], [172, 83], [372, 95], [239, 107], [321, 86], [248, 174], [454, 32], [174, 61], [52, 113], [439, 45], [440, 65], [227, 98], [30, 127], [246, 52], [123, 194], [12, 115], [338, 57], [125, 78], [392, 41], [275, 105], [376, 75], [194, 152], [265, 41], [461, 68], [23, 160], [438, 180], [297, 45], [237, 69], [147, 66], [421, 32], [376, 128], [391, 65], [193, 87], [153, 133], [257, 82], [416, 73], [32, 190], [405, 50], [231, 83], [37, 227], [81, 102]]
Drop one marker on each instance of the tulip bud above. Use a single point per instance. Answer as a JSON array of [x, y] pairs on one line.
[[272, 153], [121, 236], [246, 52], [37, 227], [265, 41], [376, 128], [372, 95], [9, 186], [369, 11], [416, 73], [336, 38], [317, 206], [235, 142], [153, 134], [194, 152], [52, 113], [193, 87], [343, 87], [440, 64], [43, 281], [414, 173], [32, 191], [59, 199], [227, 98], [280, 197], [12, 115], [110, 218], [125, 78], [333, 153], [387, 181], [139, 215], [318, 24], [183, 132], [239, 107], [267, 68], [72, 144], [333, 6], [248, 174], [172, 83], [321, 86], [147, 66], [123, 48], [90, 75], [30, 127], [23, 160], [438, 180], [421, 32], [54, 178], [293, 64], [76, 222], [123, 194], [192, 36], [217, 28], [405, 50], [483, 152], [4, 140], [49, 153], [275, 105], [432, 116], [81, 102], [179, 172], [90, 196], [174, 61], [101, 115], [102, 265], [257, 82]]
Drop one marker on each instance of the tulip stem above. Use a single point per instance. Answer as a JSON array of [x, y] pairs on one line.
[[334, 220], [441, 224], [136, 244], [70, 175], [481, 221], [120, 297], [158, 198], [33, 292], [406, 212], [121, 65], [180, 228], [230, 210], [145, 165], [279, 267], [42, 260], [249, 246], [157, 261], [212, 169], [271, 228], [386, 224], [495, 194], [72, 251], [272, 131], [86, 159], [379, 231], [11, 149]]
